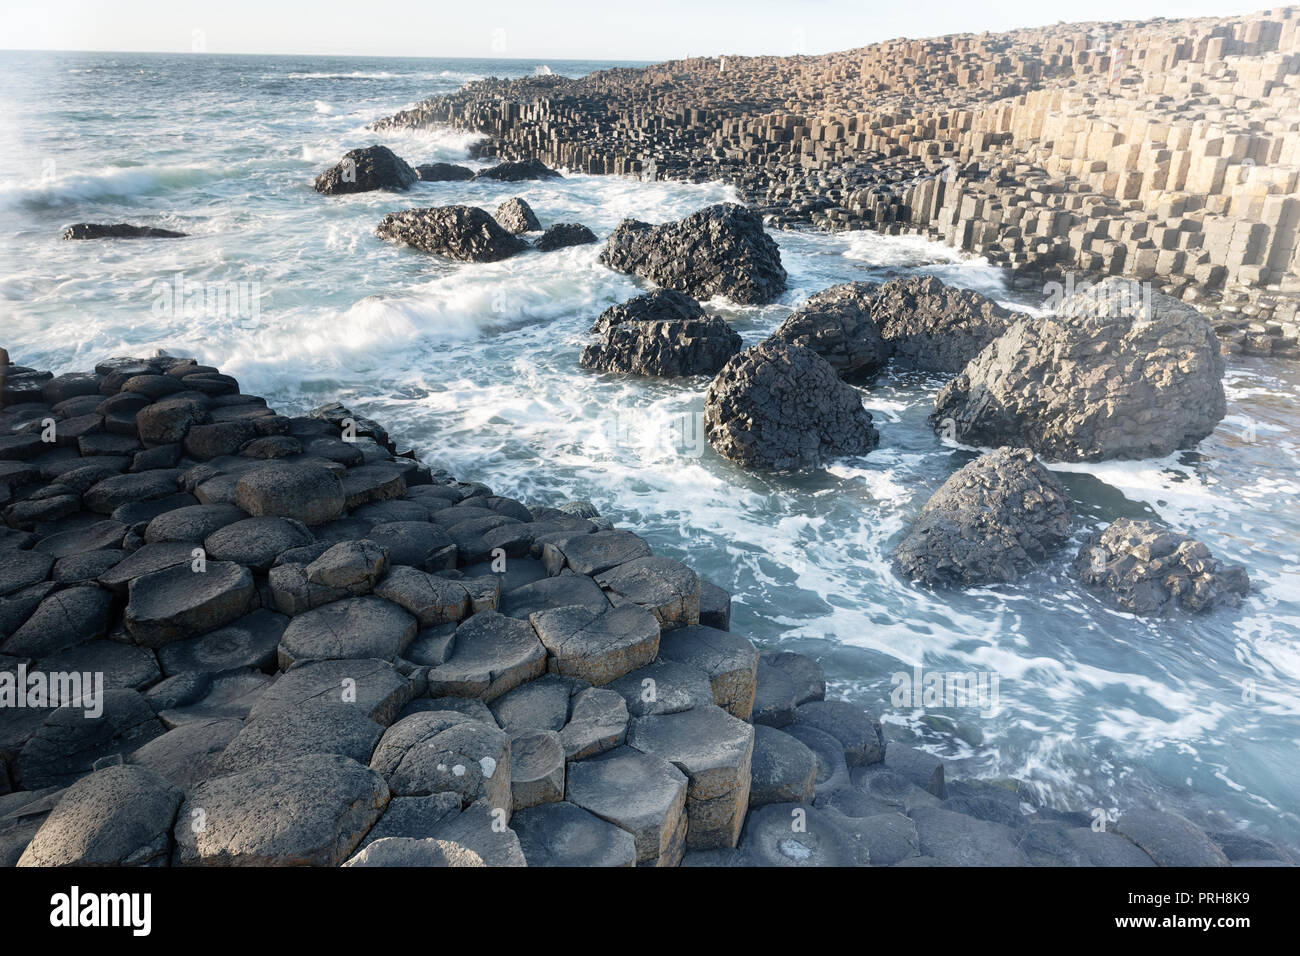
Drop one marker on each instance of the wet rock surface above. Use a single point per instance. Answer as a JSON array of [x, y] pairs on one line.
[[1114, 374], [463, 233], [362, 170], [780, 406], [1141, 567], [990, 522], [721, 250]]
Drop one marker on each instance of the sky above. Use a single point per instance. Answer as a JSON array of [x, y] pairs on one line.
[[529, 29]]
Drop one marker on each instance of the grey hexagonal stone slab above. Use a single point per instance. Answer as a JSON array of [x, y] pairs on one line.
[[311, 727], [237, 820], [406, 851], [729, 659], [351, 566], [592, 553], [118, 816], [365, 627], [663, 687], [536, 768], [714, 750], [493, 654], [805, 674], [257, 542], [188, 754], [443, 751], [1170, 839], [179, 602], [665, 587], [958, 840], [563, 834], [597, 648], [373, 686], [856, 730], [795, 834], [542, 704], [249, 641], [783, 770], [774, 695], [637, 792], [68, 743], [597, 723], [562, 591], [431, 599], [122, 665], [312, 494]]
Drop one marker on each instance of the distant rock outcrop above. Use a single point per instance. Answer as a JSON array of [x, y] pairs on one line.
[[118, 230]]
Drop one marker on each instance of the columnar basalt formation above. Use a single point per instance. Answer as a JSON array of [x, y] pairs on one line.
[[1164, 150], [316, 651]]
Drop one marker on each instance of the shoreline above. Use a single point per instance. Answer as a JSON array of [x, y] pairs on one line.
[[749, 734]]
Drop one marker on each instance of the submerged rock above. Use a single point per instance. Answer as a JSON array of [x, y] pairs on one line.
[[1141, 567], [443, 173], [1109, 377], [564, 234], [361, 170], [118, 230], [465, 233], [516, 172], [721, 250], [989, 522], [782, 406]]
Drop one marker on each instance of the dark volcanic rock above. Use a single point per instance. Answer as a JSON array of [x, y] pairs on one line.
[[443, 173], [782, 406], [837, 324], [1104, 379], [118, 230], [564, 234], [516, 216], [721, 250], [935, 327], [361, 170], [465, 233], [669, 348], [661, 305], [1141, 567], [518, 172], [989, 522]]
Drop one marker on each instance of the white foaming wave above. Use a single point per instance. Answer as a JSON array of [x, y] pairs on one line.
[[323, 107], [543, 70], [111, 183]]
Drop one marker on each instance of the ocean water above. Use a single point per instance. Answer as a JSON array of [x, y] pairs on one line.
[[475, 366]]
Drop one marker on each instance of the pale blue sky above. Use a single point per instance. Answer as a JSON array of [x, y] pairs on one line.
[[579, 29]]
